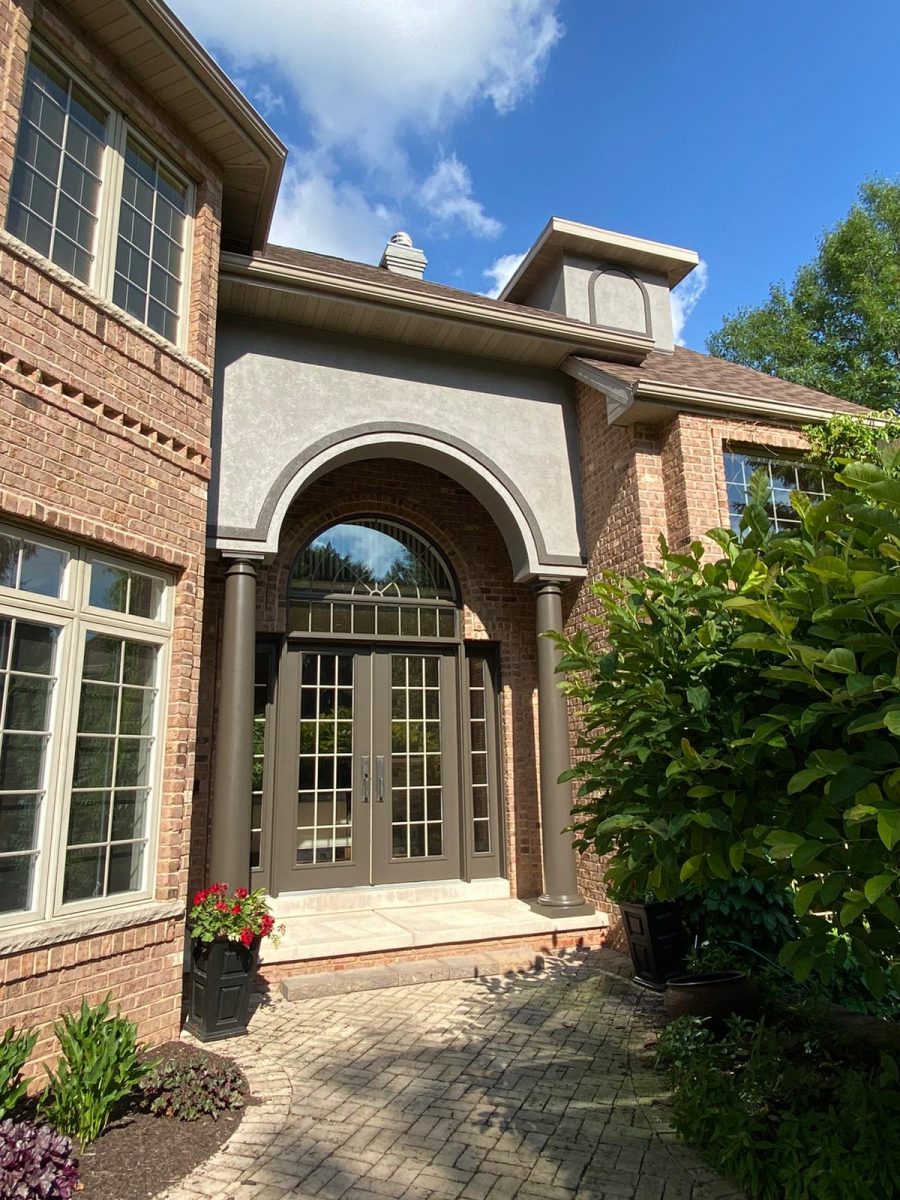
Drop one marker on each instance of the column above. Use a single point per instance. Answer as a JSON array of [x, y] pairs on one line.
[[558, 857], [229, 854]]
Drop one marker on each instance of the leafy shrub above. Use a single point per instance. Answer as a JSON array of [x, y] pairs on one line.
[[188, 1090], [790, 1109], [741, 912], [14, 1051], [98, 1069], [36, 1163]]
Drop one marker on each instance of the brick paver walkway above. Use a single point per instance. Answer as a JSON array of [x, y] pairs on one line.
[[533, 1088]]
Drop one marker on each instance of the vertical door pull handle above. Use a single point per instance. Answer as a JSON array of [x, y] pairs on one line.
[[365, 779], [379, 761]]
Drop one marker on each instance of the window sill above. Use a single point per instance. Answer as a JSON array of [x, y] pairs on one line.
[[85, 925], [23, 251]]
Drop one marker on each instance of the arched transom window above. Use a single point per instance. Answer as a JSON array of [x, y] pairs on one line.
[[372, 577]]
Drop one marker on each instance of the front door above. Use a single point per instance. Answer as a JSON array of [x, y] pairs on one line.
[[367, 777]]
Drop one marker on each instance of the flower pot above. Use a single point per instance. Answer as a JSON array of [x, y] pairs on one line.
[[655, 941], [714, 995], [220, 985]]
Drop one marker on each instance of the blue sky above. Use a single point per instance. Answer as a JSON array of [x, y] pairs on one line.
[[741, 129]]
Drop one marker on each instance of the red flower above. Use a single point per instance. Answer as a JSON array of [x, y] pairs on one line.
[[241, 893], [199, 898], [246, 937], [221, 906], [266, 925], [219, 888], [235, 910]]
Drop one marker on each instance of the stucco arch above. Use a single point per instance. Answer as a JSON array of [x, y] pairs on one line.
[[458, 460]]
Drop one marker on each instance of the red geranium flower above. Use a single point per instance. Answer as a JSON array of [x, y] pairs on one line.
[[199, 898], [221, 906], [241, 893], [246, 937], [235, 909]]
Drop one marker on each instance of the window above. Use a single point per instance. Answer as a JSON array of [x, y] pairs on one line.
[[785, 476], [372, 578], [83, 659], [92, 197]]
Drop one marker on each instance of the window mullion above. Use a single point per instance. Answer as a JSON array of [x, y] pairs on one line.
[[110, 205]]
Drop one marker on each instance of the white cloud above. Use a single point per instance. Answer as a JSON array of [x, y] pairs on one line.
[[447, 195], [500, 272], [371, 83], [366, 71], [685, 297], [317, 211]]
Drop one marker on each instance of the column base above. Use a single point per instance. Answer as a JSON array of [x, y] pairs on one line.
[[564, 901]]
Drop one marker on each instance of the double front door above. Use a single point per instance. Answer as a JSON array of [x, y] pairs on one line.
[[367, 771]]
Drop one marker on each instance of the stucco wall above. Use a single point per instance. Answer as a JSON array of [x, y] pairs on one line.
[[286, 397]]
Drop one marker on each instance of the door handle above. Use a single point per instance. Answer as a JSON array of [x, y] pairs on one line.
[[379, 766], [365, 779]]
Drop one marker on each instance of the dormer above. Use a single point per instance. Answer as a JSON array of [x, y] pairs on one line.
[[605, 279]]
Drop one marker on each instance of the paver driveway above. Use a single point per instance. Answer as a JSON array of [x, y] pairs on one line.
[[530, 1087]]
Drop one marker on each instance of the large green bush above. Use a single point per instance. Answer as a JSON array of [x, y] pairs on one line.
[[741, 717]]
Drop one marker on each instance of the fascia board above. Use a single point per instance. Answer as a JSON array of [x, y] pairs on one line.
[[572, 337]]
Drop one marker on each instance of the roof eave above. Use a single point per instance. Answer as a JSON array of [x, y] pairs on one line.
[[650, 401], [569, 337]]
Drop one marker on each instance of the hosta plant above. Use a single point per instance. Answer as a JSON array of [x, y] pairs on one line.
[[36, 1163], [100, 1066], [14, 1051]]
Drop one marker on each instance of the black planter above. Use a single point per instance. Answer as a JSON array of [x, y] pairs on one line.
[[655, 941], [221, 981]]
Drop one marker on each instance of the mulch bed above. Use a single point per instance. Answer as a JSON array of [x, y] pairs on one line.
[[140, 1154]]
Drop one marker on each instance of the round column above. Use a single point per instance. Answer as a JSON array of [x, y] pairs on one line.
[[229, 854], [558, 856]]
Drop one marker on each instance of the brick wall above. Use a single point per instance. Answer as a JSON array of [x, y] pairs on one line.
[[640, 481], [106, 441], [495, 609]]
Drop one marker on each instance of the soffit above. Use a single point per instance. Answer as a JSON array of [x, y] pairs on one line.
[[325, 293], [162, 57]]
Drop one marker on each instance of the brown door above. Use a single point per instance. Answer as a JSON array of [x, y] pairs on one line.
[[367, 777]]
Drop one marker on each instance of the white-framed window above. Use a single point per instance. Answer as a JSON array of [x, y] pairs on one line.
[[84, 649], [93, 196], [785, 475]]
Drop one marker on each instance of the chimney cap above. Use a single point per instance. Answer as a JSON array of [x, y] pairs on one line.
[[401, 238]]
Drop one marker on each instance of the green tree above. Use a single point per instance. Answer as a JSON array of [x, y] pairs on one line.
[[837, 328]]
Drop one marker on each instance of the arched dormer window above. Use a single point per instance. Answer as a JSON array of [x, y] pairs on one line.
[[370, 577]]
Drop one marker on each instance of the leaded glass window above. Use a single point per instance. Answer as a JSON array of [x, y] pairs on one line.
[[785, 476], [372, 578]]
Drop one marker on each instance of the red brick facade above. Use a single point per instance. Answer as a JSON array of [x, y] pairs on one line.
[[495, 609], [106, 442]]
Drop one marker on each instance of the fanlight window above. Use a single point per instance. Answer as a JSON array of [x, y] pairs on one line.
[[374, 578]]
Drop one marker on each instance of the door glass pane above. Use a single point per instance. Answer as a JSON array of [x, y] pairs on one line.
[[325, 768], [416, 747], [478, 751]]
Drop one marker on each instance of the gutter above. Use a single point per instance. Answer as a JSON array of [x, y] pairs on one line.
[[572, 337], [648, 399]]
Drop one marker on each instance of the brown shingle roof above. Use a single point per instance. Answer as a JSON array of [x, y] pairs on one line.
[[364, 271], [694, 370]]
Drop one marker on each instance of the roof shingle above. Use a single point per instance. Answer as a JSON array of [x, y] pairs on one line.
[[691, 369]]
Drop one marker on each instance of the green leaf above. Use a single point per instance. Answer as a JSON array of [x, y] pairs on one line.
[[758, 641], [805, 854], [892, 722], [736, 852], [850, 912], [804, 897], [889, 826], [840, 661], [801, 781], [877, 886], [690, 868]]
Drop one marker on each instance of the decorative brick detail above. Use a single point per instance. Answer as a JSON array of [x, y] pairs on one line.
[[106, 440]]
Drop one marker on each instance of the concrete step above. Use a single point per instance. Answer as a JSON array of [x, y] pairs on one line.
[[367, 931], [324, 901], [476, 965]]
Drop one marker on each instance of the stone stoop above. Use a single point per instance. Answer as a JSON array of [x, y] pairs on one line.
[[473, 965]]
